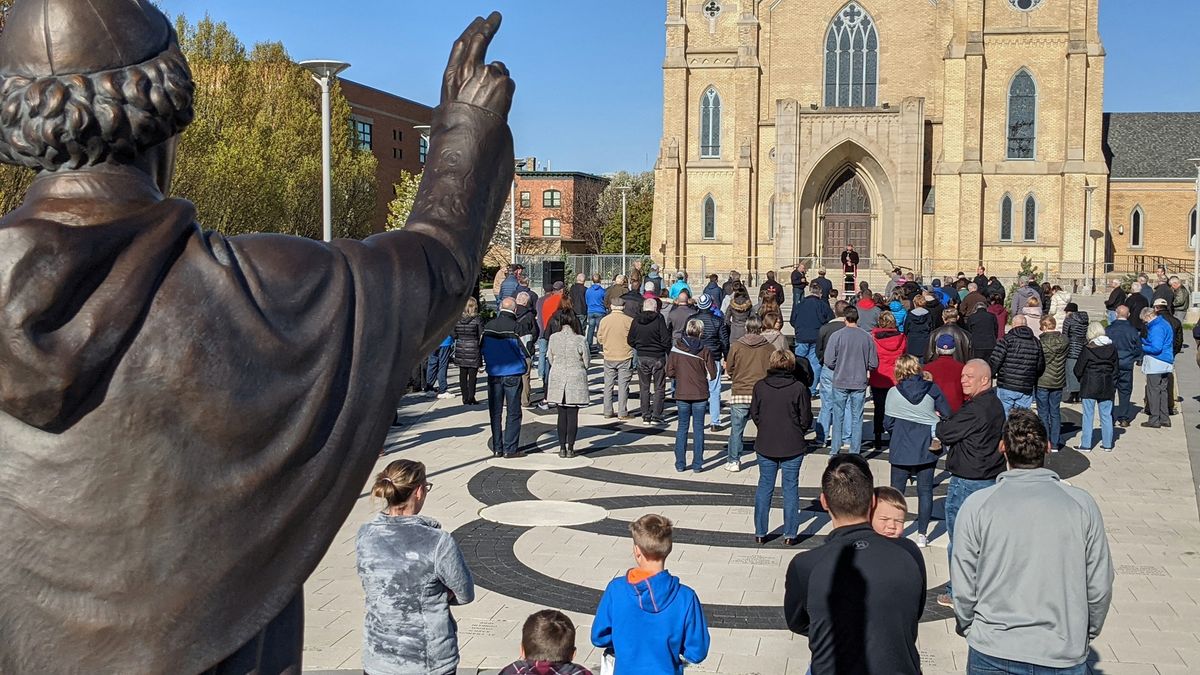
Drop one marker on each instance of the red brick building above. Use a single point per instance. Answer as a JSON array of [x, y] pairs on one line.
[[387, 125], [553, 207]]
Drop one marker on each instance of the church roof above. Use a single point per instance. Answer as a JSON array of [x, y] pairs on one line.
[[1151, 145]]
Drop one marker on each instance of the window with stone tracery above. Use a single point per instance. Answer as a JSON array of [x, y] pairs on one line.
[[711, 9], [710, 218], [852, 59], [1022, 116], [710, 124]]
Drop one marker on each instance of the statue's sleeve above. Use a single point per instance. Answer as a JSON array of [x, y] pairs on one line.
[[390, 298]]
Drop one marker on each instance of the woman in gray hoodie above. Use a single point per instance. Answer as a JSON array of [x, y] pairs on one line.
[[412, 571]]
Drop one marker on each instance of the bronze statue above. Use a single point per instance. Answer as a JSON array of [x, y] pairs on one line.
[[186, 419]]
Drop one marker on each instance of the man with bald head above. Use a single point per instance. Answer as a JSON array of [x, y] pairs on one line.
[[972, 437]]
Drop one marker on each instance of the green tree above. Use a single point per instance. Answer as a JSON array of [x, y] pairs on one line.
[[14, 180], [251, 160], [406, 193], [640, 207]]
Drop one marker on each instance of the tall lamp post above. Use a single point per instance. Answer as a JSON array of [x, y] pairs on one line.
[[1093, 234], [323, 72], [1195, 242], [624, 229]]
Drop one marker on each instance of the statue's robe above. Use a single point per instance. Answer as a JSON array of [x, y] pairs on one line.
[[187, 419]]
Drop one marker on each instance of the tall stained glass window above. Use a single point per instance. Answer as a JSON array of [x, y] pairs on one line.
[[1006, 218], [1030, 218], [710, 218], [1137, 226], [851, 59], [710, 124], [1022, 116]]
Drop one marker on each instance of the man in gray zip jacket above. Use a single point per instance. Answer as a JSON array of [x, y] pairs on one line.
[[1019, 596]]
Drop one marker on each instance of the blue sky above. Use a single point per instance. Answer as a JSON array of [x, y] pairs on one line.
[[589, 77]]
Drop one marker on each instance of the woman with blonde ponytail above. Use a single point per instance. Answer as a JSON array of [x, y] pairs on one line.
[[412, 571]]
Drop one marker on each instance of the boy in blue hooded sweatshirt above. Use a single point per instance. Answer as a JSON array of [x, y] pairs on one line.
[[646, 618]]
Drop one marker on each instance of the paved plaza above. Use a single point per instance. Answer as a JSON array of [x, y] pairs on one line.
[[544, 553]]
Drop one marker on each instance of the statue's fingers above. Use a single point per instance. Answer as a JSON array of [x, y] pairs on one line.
[[458, 54], [478, 45], [499, 67]]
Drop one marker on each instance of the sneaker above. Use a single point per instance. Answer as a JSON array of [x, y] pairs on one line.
[[658, 421], [922, 541], [543, 406], [623, 418], [714, 428], [945, 600], [1080, 448], [445, 394], [1107, 449], [646, 422], [609, 416], [697, 469], [733, 467]]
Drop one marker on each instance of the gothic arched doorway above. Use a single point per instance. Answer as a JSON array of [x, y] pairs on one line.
[[846, 215]]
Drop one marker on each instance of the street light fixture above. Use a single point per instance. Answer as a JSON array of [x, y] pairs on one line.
[[624, 228], [1196, 241], [323, 71]]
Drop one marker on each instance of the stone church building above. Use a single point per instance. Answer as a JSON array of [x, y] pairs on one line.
[[935, 132]]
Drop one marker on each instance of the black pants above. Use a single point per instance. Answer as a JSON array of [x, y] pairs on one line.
[[1157, 406], [568, 426], [652, 370], [1124, 409], [879, 397], [467, 378]]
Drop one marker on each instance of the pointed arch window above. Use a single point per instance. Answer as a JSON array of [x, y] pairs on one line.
[[1137, 227], [1006, 218], [1031, 214], [1192, 229], [851, 59], [710, 124], [710, 218], [771, 219], [1022, 116]]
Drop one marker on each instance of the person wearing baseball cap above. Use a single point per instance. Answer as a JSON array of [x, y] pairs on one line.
[[1162, 307], [716, 339], [946, 369]]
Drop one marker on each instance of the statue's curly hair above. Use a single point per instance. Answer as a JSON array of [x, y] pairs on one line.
[[72, 121]]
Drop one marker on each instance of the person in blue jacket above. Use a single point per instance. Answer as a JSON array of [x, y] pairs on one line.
[[436, 367], [648, 621], [680, 284], [506, 357], [1158, 362], [595, 309]]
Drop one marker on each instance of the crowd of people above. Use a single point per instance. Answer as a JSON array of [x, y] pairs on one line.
[[954, 369]]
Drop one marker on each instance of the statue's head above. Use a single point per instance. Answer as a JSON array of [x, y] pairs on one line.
[[90, 82]]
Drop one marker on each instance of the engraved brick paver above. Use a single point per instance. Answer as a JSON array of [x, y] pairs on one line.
[[1145, 489]]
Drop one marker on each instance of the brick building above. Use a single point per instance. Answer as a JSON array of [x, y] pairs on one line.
[[554, 207], [924, 131], [1152, 189], [387, 125]]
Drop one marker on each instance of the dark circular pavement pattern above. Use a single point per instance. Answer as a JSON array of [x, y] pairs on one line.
[[489, 547]]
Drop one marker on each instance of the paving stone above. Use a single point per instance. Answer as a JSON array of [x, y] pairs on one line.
[[1145, 491]]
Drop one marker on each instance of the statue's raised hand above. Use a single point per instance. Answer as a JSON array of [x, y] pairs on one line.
[[468, 79]]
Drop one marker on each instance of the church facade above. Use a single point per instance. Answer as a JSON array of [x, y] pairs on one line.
[[934, 132]]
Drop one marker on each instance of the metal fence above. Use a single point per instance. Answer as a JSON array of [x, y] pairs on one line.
[[1073, 275]]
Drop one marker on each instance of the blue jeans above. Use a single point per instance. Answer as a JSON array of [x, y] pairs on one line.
[[1014, 399], [1049, 407], [692, 411], [767, 468], [738, 414], [1124, 381], [808, 350], [1106, 423], [543, 348], [956, 494], [436, 367], [714, 398], [847, 402], [505, 391], [824, 416], [979, 663], [593, 325]]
